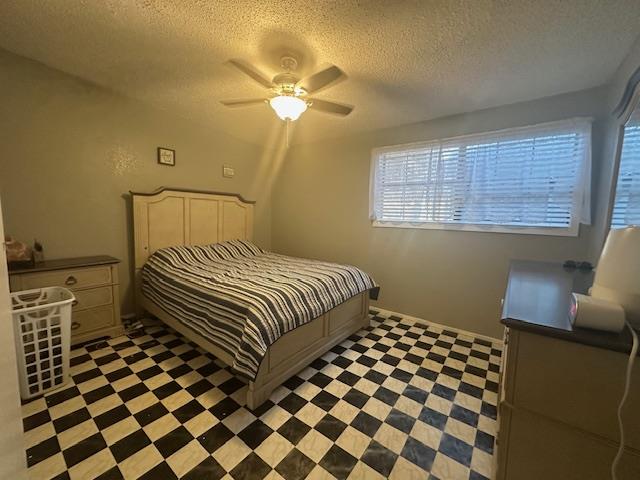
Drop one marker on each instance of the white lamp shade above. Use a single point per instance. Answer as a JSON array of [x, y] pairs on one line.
[[288, 107], [617, 276]]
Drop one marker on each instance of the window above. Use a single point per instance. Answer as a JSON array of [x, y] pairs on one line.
[[533, 179], [626, 209]]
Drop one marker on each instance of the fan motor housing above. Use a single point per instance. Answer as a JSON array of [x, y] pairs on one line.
[[285, 80]]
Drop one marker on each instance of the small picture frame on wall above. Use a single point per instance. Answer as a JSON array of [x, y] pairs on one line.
[[166, 156]]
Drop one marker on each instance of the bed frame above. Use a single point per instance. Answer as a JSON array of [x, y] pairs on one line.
[[170, 216]]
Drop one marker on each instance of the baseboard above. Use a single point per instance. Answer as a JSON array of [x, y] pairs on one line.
[[439, 325]]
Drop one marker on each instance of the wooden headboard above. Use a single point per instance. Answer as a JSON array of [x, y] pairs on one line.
[[172, 216]]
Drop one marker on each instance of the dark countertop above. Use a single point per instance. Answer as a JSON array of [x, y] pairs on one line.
[[63, 263], [537, 300]]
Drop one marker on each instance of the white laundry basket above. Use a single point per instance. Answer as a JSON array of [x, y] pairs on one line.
[[42, 327]]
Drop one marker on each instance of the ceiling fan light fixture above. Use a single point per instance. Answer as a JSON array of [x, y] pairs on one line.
[[288, 107]]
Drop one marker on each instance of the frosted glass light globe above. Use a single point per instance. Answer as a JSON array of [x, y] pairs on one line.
[[288, 107]]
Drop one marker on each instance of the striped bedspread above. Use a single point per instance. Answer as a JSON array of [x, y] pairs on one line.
[[242, 298]]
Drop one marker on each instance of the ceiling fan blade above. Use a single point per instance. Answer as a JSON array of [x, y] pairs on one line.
[[331, 107], [250, 70], [243, 102], [322, 79]]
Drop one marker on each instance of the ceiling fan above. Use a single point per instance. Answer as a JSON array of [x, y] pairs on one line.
[[289, 96]]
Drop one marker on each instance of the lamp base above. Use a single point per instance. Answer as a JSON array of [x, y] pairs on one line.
[[596, 313]]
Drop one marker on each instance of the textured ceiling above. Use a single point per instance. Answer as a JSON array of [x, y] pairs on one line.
[[407, 60]]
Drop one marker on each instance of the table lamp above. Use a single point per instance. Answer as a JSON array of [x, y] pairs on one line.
[[617, 276]]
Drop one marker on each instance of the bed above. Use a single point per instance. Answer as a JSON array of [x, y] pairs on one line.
[[188, 244]]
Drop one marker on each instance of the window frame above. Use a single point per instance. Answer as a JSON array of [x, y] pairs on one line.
[[621, 123], [572, 230]]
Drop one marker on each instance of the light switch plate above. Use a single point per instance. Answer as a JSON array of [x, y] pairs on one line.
[[228, 172]]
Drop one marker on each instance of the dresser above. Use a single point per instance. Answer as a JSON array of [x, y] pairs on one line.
[[560, 386], [93, 281]]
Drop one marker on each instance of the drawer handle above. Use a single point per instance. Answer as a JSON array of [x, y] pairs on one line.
[[71, 280], [74, 303], [75, 325]]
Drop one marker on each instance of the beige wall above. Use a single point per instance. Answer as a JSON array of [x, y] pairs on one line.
[[320, 210], [69, 151], [12, 456]]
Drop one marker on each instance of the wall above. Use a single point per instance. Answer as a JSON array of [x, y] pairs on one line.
[[12, 456], [70, 151], [320, 210]]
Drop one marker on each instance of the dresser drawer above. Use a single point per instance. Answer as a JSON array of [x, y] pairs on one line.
[[540, 448], [92, 297], [85, 321], [576, 385], [73, 279]]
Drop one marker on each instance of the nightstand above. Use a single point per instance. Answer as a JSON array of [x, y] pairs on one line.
[[93, 281]]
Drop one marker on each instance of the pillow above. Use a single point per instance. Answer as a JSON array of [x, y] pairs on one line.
[[235, 249]]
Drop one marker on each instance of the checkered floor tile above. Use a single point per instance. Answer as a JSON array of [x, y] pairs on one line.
[[399, 400]]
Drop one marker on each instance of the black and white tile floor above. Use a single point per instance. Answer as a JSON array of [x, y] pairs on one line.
[[400, 400]]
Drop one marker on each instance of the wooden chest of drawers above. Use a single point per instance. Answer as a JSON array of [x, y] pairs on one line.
[[94, 282], [560, 386]]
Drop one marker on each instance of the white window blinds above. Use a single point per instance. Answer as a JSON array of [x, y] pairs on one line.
[[626, 209], [534, 178]]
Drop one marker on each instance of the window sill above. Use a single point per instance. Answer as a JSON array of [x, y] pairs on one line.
[[571, 231]]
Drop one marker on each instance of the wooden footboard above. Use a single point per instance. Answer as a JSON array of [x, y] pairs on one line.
[[290, 353], [296, 349]]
